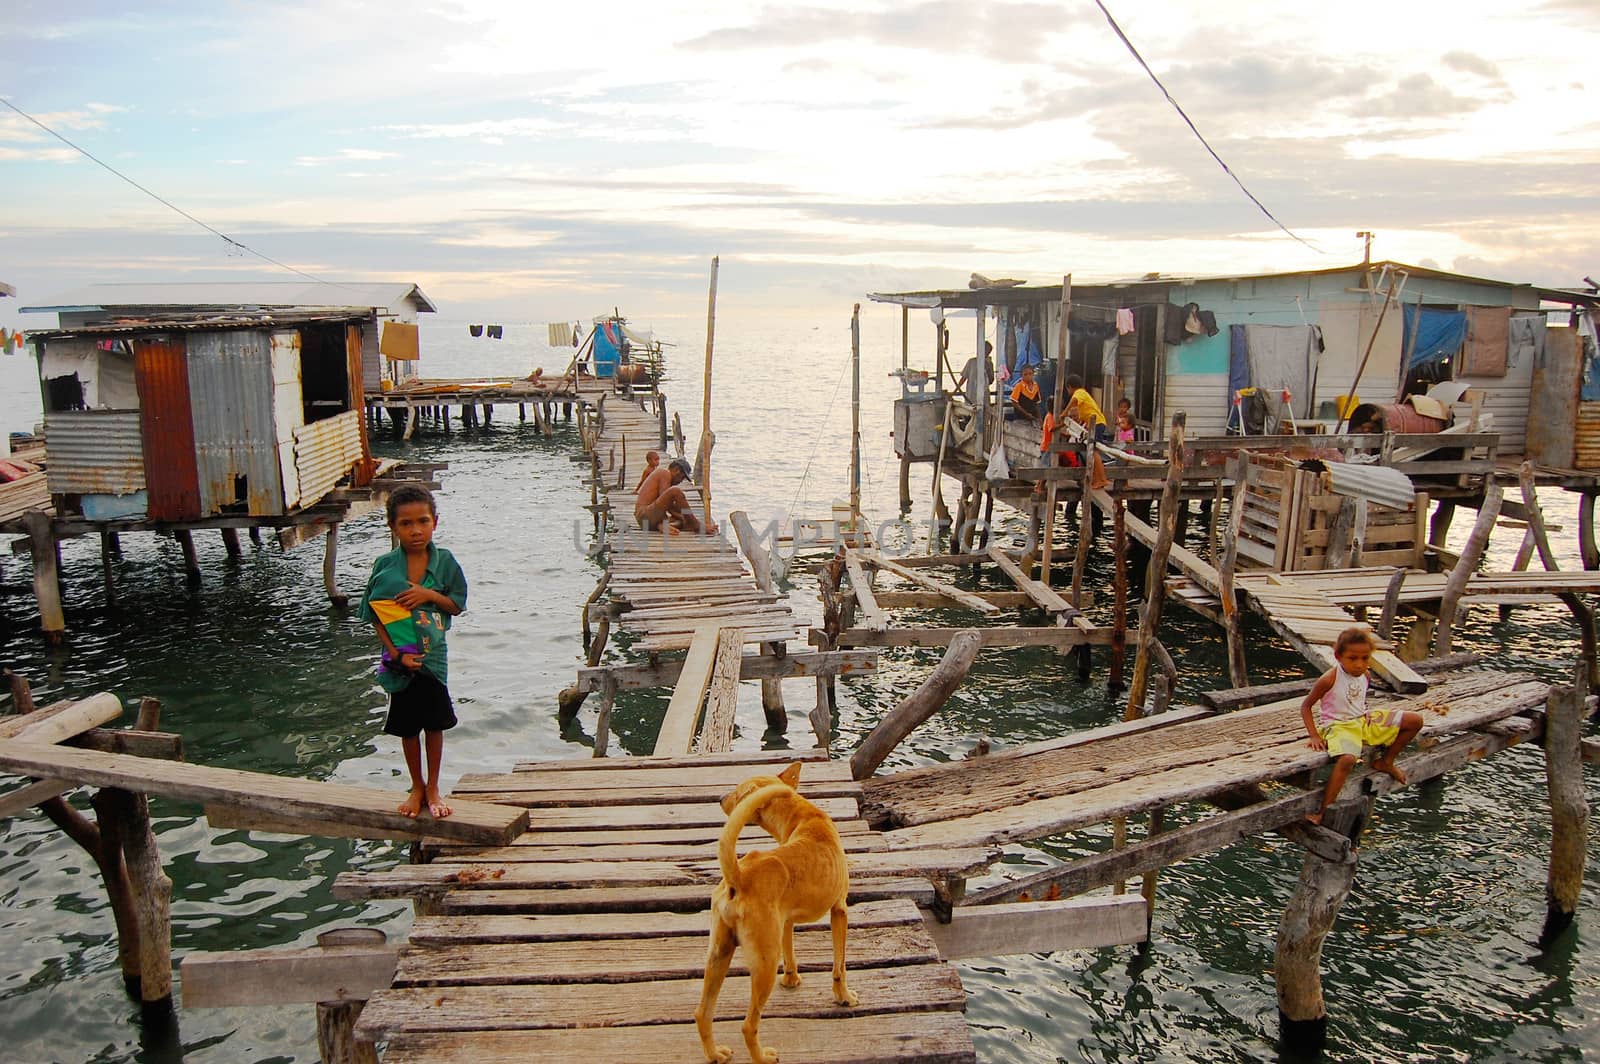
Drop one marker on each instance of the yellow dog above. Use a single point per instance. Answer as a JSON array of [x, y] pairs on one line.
[[765, 893]]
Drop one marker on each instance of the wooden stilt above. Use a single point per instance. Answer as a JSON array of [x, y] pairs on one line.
[[116, 544], [255, 534], [1471, 555], [411, 415], [46, 582], [772, 694], [1238, 669], [602, 723], [330, 565], [570, 700], [1439, 526], [105, 569], [1586, 537], [336, 1034], [21, 692], [1155, 582], [152, 894], [488, 414], [1080, 561], [230, 542], [191, 561], [1569, 809], [522, 411], [1524, 556], [1309, 916], [103, 842], [905, 483], [446, 419], [1119, 592]]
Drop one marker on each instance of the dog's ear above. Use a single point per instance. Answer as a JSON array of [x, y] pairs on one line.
[[791, 775]]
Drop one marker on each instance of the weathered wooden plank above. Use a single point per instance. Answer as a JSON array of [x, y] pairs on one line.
[[918, 988], [529, 850], [998, 636], [30, 795], [1040, 927], [872, 614], [168, 745], [631, 773], [61, 720], [515, 792], [683, 711], [551, 927], [691, 898], [722, 697], [607, 818], [933, 1038], [848, 829], [1042, 595], [657, 642], [637, 960], [286, 976], [272, 795]]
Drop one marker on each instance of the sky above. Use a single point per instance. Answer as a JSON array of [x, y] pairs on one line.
[[544, 161]]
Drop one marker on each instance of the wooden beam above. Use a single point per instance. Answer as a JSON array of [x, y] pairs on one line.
[[918, 706], [688, 697], [165, 745], [247, 977], [1043, 596], [272, 795], [1039, 927], [61, 720], [31, 795], [930, 583], [1000, 636]]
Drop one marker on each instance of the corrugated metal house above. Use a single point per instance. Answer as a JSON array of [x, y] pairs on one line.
[[1189, 343], [200, 415]]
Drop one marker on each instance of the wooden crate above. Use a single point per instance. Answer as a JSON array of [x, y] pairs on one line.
[[1288, 517]]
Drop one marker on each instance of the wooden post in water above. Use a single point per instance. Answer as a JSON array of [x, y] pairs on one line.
[[1471, 555], [1569, 809], [1309, 916], [918, 706], [46, 574], [336, 1034], [1238, 670], [1063, 344], [705, 406], [1155, 582], [191, 562], [1119, 592], [105, 568], [330, 568], [230, 542], [855, 418]]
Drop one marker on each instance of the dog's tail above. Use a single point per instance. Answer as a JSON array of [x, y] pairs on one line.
[[742, 814]]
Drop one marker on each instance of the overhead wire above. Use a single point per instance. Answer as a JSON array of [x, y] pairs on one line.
[[1198, 135], [230, 241]]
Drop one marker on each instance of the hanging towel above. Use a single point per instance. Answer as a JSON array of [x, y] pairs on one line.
[[1172, 328], [1281, 360], [1191, 320], [1589, 357], [1108, 361], [1124, 321], [1208, 322], [559, 334], [1525, 341], [1488, 342]]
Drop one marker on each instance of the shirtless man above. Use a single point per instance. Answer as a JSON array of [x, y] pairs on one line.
[[661, 500]]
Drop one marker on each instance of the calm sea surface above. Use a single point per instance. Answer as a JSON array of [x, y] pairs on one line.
[[1433, 958]]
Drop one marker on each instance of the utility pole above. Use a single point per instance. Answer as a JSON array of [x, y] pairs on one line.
[[1366, 253]]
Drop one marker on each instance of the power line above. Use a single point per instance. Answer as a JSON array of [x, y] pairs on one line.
[[1192, 128], [164, 202]]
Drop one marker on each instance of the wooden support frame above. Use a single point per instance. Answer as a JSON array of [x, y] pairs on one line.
[[1004, 929]]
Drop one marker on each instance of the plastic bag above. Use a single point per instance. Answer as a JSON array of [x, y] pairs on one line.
[[999, 468]]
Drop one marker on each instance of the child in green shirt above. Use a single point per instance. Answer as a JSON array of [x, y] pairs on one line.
[[411, 596]]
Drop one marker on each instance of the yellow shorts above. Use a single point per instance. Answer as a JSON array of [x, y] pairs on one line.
[[1377, 727]]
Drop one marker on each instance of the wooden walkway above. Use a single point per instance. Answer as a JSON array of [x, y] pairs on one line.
[[1192, 754], [585, 939]]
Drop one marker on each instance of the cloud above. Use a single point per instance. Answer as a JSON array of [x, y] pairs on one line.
[[1469, 63], [343, 155], [482, 129], [41, 155], [16, 128], [1416, 95]]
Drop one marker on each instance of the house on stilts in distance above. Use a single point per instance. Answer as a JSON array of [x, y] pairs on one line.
[[171, 408]]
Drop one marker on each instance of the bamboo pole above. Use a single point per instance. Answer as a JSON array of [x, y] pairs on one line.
[[1063, 343], [1119, 591], [705, 406]]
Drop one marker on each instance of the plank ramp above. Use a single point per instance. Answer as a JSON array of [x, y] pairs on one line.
[[588, 942], [1068, 785]]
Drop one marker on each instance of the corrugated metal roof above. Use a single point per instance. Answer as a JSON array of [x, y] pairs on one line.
[[7, 290], [94, 452], [1379, 484], [392, 295], [230, 394], [324, 452], [198, 321]]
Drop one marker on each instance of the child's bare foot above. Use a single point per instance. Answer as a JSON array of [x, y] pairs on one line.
[[1314, 818], [1389, 768], [413, 803], [436, 805]]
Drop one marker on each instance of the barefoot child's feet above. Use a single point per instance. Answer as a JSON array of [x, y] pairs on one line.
[[436, 805], [1314, 818], [1389, 768], [413, 803]]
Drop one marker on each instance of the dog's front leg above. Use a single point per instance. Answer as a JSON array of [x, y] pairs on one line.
[[718, 956], [761, 953], [838, 921], [791, 970]]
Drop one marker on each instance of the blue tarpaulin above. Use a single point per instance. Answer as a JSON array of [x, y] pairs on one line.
[[1438, 337], [607, 349]]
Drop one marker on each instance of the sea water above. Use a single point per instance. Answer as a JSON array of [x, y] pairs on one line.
[[1433, 956]]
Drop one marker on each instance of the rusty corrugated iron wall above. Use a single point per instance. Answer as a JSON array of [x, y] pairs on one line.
[[325, 452], [94, 452], [166, 428], [230, 388]]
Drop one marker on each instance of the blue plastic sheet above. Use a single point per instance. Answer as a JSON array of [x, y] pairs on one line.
[[1438, 337]]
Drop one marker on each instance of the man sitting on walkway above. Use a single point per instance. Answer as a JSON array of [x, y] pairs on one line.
[[661, 500]]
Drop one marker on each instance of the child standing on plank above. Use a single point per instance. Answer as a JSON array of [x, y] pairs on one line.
[[411, 595], [1338, 720]]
